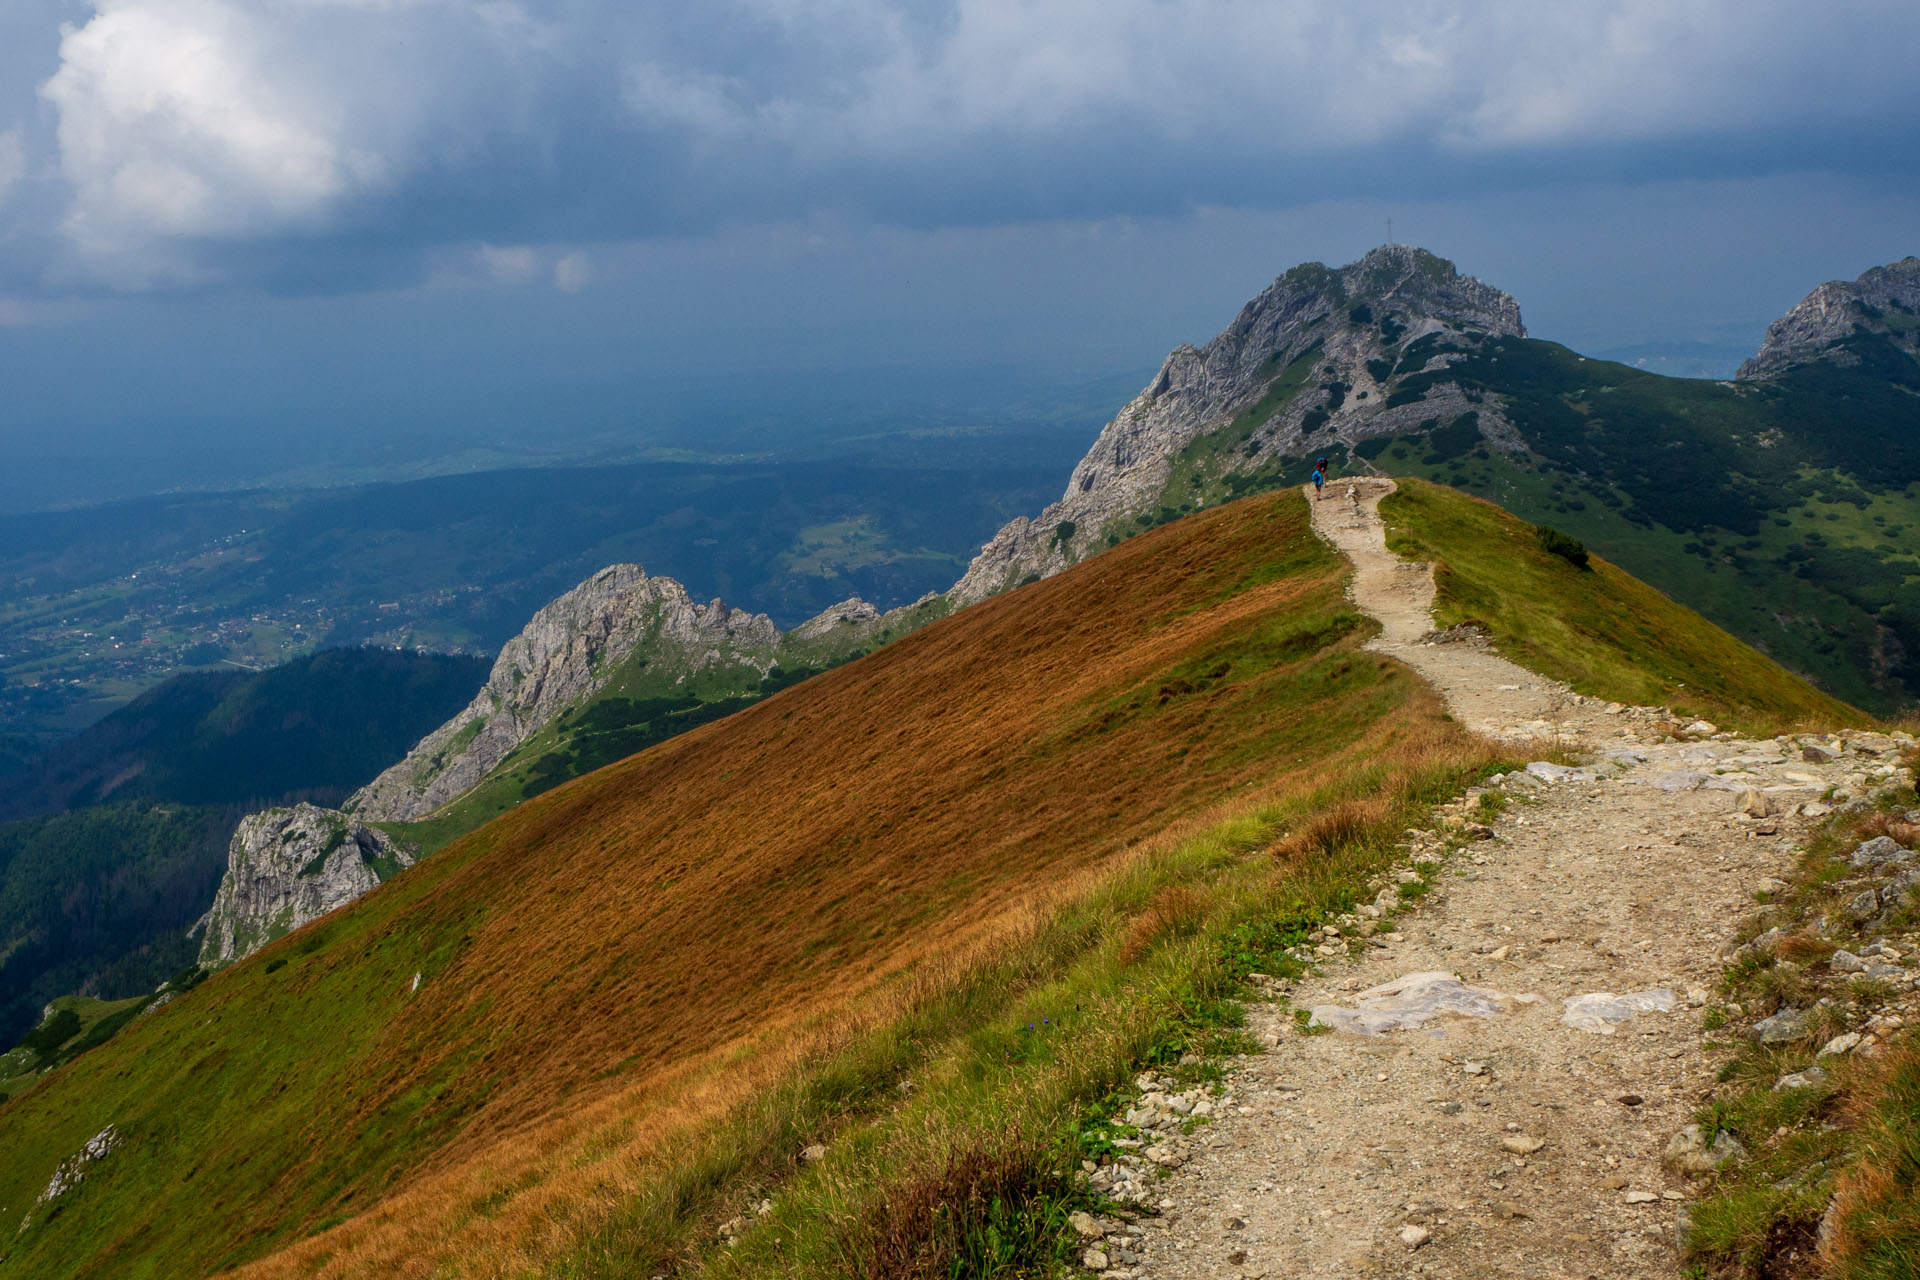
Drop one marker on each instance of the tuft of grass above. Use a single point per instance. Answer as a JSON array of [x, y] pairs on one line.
[[1877, 1235], [996, 1205], [1174, 910], [1348, 822]]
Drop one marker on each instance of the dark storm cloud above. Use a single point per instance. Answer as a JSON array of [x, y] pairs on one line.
[[341, 144]]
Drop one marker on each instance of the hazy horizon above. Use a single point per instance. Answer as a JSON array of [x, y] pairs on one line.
[[242, 242]]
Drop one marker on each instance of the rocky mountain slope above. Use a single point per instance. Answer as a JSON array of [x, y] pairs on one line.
[[565, 654], [623, 660], [1313, 363], [623, 653], [1783, 506], [1884, 300]]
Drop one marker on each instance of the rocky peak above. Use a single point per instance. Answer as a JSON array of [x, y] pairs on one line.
[[1884, 300], [286, 867], [1396, 294], [1308, 362], [566, 653]]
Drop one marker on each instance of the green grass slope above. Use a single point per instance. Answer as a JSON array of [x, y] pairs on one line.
[[1787, 511], [1598, 628], [72, 1026]]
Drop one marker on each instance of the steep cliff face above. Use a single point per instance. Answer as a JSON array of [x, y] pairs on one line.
[[1884, 300], [286, 867], [1316, 360], [567, 653]]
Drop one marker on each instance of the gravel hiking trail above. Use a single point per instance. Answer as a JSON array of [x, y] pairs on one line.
[[1512, 1144]]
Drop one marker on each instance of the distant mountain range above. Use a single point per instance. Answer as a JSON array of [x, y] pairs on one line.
[[1785, 506], [1680, 359], [101, 603], [315, 727]]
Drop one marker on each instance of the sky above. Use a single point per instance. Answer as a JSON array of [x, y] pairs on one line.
[[247, 236]]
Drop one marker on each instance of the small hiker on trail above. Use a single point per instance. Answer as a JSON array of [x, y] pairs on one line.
[[1323, 468], [1319, 482]]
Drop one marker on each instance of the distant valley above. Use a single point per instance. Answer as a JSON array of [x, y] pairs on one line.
[[100, 603]]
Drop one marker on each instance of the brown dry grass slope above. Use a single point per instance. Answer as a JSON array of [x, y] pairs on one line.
[[618, 944]]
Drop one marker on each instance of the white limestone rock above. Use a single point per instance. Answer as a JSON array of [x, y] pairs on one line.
[[1830, 314], [286, 867], [566, 653]]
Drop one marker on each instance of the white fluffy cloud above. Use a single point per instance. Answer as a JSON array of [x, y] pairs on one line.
[[191, 121], [185, 128], [509, 262]]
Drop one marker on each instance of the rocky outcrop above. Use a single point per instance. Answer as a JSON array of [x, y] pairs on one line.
[[73, 1170], [1884, 300], [853, 612], [567, 653], [286, 867], [1358, 326]]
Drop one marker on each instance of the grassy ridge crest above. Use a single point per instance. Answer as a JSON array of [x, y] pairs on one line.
[[1597, 627]]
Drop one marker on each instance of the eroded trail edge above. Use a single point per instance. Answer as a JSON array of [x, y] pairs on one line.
[[1501, 1141]]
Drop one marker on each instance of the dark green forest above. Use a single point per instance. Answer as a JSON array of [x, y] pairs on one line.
[[119, 838], [1786, 510], [314, 728], [98, 902]]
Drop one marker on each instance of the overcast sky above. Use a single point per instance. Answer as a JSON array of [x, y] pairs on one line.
[[259, 225]]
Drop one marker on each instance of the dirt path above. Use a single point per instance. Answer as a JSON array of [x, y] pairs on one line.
[[1515, 1144], [1484, 690]]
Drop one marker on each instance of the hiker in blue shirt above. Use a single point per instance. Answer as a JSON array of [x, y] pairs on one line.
[[1319, 481]]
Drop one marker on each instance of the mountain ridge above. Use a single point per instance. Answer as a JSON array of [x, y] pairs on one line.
[[1398, 360], [1244, 374], [629, 643], [1838, 309], [566, 652], [534, 1019]]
